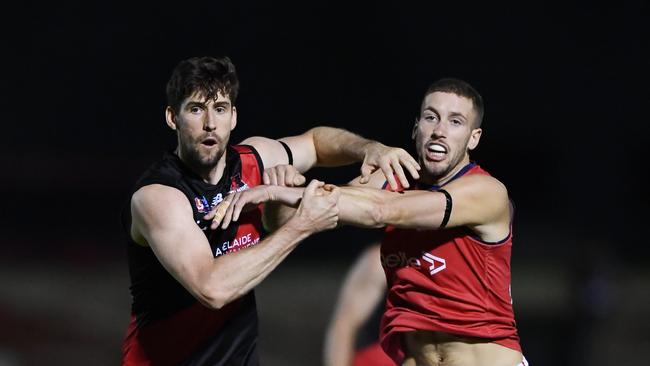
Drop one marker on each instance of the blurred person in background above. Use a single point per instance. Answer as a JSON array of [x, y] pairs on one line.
[[352, 337]]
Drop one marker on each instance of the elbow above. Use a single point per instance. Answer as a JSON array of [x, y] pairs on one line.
[[213, 298]]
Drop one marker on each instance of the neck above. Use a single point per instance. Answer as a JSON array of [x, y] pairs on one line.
[[210, 175], [444, 179]]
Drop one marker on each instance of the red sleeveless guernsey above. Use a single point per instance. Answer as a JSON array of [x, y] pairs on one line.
[[447, 281]]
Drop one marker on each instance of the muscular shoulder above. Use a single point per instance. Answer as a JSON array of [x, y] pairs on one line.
[[157, 203], [480, 202], [479, 185], [270, 151], [157, 207], [156, 194]]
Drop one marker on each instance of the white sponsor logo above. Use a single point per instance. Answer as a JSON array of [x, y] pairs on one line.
[[400, 259], [433, 269], [236, 244], [216, 199], [239, 189]]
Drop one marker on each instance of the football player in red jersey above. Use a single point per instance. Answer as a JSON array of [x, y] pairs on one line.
[[447, 247]]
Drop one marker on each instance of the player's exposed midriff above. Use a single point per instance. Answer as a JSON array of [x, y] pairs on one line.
[[426, 348]]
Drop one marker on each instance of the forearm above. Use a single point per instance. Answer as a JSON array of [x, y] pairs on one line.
[[363, 207], [357, 206], [275, 215], [289, 196], [336, 147], [367, 207], [339, 345], [235, 274]]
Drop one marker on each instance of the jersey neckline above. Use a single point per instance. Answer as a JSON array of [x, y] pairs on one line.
[[435, 187]]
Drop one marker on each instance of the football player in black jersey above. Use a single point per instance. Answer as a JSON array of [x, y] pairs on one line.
[[192, 285]]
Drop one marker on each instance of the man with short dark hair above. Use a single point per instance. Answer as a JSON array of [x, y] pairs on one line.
[[446, 250], [192, 285]]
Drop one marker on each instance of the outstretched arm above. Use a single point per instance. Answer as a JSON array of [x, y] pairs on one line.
[[362, 291], [162, 219], [479, 202], [328, 147]]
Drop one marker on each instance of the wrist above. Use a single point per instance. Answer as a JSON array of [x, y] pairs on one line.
[[369, 146], [289, 196], [299, 226], [272, 193]]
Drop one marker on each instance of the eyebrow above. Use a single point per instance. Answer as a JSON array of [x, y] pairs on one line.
[[451, 114], [457, 114], [222, 103], [430, 109], [195, 103]]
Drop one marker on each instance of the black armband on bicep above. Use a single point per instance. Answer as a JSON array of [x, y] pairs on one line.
[[448, 206], [288, 150]]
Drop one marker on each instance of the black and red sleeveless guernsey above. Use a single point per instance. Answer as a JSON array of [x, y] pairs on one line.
[[447, 280], [168, 325]]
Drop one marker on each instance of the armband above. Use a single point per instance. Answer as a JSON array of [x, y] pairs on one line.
[[448, 206], [288, 150]]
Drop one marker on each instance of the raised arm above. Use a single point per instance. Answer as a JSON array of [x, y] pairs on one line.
[[328, 147], [162, 219], [362, 291]]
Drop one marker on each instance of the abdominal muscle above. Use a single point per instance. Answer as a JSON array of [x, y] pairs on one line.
[[426, 348]]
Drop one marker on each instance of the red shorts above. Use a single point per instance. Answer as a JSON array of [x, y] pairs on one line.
[[372, 355]]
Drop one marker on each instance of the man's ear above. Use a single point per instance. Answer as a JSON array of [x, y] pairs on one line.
[[170, 117], [233, 119], [415, 130], [474, 138]]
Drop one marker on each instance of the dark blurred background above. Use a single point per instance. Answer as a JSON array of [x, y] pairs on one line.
[[566, 90]]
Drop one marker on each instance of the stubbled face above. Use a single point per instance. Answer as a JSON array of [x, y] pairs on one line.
[[203, 128], [444, 134]]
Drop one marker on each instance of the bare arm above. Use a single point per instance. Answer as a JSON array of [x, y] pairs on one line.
[[328, 147], [361, 292], [478, 201], [276, 213], [162, 219]]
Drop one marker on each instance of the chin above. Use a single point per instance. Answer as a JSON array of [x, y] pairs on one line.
[[210, 161], [203, 160], [438, 168]]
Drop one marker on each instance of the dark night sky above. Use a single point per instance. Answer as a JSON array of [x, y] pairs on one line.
[[565, 88]]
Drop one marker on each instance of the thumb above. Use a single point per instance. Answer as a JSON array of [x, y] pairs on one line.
[[312, 186], [299, 180], [366, 171]]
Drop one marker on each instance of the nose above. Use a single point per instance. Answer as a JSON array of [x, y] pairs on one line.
[[439, 129], [210, 122]]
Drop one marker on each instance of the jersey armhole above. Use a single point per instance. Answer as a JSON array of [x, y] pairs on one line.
[[511, 209], [258, 158]]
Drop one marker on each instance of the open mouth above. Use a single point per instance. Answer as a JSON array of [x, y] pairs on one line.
[[436, 151], [437, 148], [210, 141]]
